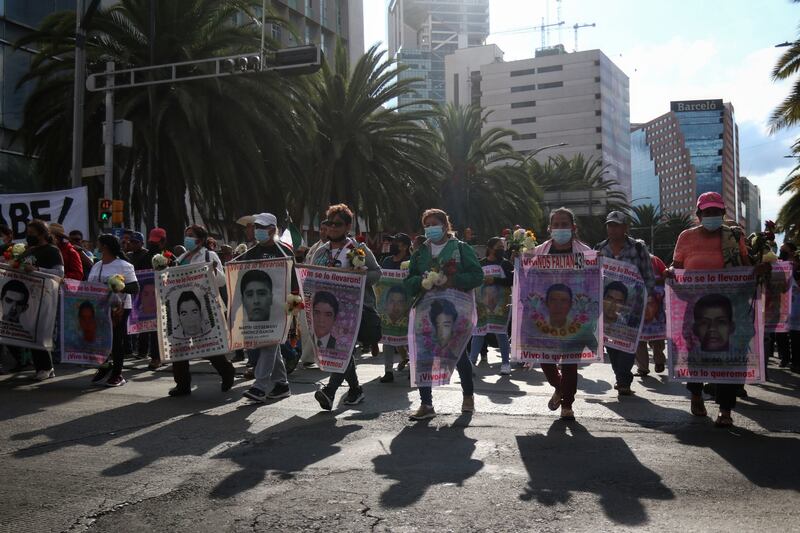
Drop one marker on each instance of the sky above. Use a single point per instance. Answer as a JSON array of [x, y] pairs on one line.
[[670, 50]]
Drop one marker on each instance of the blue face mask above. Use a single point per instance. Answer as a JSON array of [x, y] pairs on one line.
[[190, 243], [434, 233], [561, 236], [712, 223], [261, 234]]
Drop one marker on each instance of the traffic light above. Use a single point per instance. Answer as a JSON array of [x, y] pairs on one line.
[[104, 211], [116, 211]]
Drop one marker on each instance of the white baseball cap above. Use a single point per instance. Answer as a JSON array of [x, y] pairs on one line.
[[265, 219]]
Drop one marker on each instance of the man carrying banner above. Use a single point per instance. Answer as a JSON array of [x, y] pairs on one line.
[[654, 319], [465, 274], [396, 302], [711, 246], [562, 231], [270, 367], [334, 254], [623, 247]]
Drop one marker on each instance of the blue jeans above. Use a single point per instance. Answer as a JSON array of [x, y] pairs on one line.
[[477, 344], [622, 363], [464, 367]]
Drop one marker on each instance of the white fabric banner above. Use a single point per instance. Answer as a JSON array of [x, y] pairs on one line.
[[70, 208]]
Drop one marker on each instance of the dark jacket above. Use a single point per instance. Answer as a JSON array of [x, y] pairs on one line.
[[508, 270], [469, 273]]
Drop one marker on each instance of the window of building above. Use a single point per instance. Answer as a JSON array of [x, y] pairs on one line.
[[554, 68], [526, 120], [551, 85], [529, 103], [523, 136], [523, 88], [525, 72]]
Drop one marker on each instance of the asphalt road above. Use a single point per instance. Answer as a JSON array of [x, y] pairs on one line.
[[78, 458]]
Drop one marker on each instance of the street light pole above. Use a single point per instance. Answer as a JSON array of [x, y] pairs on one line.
[[542, 149], [78, 92]]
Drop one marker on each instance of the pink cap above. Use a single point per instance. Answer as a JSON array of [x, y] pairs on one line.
[[157, 234], [708, 200]]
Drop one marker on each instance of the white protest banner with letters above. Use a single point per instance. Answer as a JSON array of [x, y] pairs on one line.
[[624, 297], [86, 330], [28, 302], [257, 298], [191, 321], [715, 326], [70, 208], [333, 299]]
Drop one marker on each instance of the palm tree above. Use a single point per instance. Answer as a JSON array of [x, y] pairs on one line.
[[366, 150], [787, 113], [789, 215], [223, 146], [646, 221], [671, 227], [483, 184]]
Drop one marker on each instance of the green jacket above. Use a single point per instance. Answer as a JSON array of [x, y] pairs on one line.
[[469, 276]]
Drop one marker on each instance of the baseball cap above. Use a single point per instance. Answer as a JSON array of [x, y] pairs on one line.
[[708, 200], [136, 236], [157, 234], [616, 217], [402, 237], [265, 219]]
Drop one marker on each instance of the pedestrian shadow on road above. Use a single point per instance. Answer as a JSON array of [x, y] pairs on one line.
[[283, 450], [422, 456], [570, 459]]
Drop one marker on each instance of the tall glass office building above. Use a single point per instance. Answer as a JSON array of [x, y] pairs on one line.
[[645, 183], [18, 18]]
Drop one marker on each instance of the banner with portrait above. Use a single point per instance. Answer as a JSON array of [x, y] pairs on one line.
[[393, 307], [191, 321], [778, 298], [86, 330], [493, 302], [624, 297], [439, 328], [28, 303], [794, 316], [654, 326], [333, 300], [556, 313], [715, 326], [143, 309], [257, 297]]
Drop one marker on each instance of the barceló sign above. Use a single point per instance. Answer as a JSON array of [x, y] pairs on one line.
[[696, 105]]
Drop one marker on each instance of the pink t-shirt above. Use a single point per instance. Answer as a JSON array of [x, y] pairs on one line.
[[698, 249]]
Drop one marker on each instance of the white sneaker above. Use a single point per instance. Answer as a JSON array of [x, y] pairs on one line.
[[42, 375], [505, 369]]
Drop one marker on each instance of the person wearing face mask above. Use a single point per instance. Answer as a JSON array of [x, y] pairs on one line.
[[113, 261], [711, 246], [562, 240], [156, 245], [442, 246], [783, 340], [495, 255], [270, 367], [87, 259], [334, 254], [399, 252], [194, 240], [41, 255]]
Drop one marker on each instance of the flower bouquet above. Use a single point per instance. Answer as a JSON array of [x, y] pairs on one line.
[[405, 265], [116, 283], [294, 304], [162, 260], [522, 240], [13, 254], [358, 256], [240, 249]]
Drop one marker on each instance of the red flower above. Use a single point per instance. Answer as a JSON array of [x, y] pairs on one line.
[[450, 268], [361, 238]]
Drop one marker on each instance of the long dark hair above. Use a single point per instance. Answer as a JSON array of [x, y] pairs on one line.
[[200, 233], [112, 243]]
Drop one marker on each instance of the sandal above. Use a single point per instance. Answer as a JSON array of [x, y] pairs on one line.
[[555, 401], [698, 407]]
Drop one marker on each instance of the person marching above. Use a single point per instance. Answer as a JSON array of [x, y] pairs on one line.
[[113, 262], [399, 253], [495, 255], [642, 355], [442, 246], [562, 231], [623, 247], [270, 367], [711, 246], [334, 254], [194, 240]]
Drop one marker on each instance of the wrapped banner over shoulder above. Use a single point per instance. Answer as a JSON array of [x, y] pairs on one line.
[[778, 298], [143, 312], [556, 315], [191, 323], [257, 298], [333, 300], [439, 327], [392, 305], [654, 326], [624, 296], [715, 326], [86, 332], [28, 302], [70, 208], [493, 302]]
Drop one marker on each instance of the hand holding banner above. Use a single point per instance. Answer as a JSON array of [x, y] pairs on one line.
[[393, 307], [28, 302]]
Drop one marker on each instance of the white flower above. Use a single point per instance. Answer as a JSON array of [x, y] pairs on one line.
[[240, 249], [159, 262], [427, 284], [405, 265], [519, 234], [359, 261]]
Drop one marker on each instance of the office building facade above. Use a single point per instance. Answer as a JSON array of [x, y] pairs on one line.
[[580, 99], [749, 206], [422, 33], [694, 148]]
